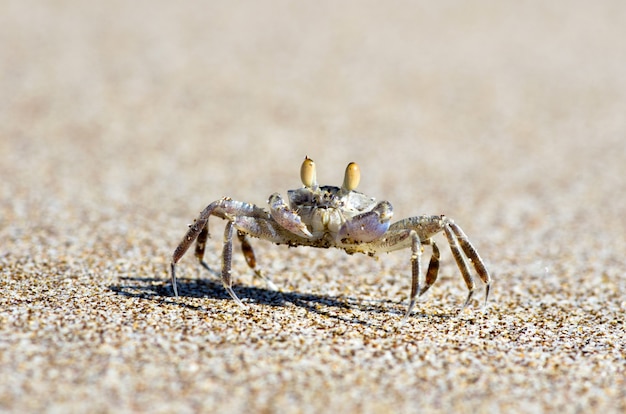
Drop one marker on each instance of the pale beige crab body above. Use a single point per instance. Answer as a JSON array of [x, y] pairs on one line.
[[327, 212]]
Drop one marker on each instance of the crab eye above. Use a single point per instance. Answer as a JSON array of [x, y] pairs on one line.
[[352, 177], [307, 173]]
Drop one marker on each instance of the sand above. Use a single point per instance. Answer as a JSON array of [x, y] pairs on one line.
[[120, 121]]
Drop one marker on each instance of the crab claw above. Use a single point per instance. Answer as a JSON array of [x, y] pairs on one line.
[[286, 217], [369, 226]]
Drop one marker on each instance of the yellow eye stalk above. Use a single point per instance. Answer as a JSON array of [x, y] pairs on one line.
[[307, 173], [352, 177], [350, 180]]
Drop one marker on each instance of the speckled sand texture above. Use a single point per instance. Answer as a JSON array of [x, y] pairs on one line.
[[121, 120]]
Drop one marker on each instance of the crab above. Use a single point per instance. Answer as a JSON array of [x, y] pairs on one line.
[[328, 216]]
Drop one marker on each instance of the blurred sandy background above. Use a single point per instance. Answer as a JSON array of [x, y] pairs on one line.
[[120, 121]]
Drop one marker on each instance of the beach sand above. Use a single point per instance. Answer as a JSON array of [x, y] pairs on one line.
[[120, 121]]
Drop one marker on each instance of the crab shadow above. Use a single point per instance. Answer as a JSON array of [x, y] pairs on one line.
[[336, 307]]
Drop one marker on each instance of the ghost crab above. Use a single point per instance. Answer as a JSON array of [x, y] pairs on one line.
[[327, 216]]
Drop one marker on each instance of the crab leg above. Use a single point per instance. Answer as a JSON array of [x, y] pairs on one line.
[[246, 248], [200, 225], [200, 246], [459, 244], [248, 253], [471, 253], [223, 208], [461, 263], [416, 270], [433, 268], [425, 227], [227, 255]]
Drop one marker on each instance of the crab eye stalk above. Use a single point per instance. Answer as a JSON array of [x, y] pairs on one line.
[[352, 177], [307, 173]]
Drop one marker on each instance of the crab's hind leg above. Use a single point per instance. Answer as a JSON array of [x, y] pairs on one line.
[[457, 237], [248, 253], [433, 267], [431, 272], [227, 256], [416, 270], [400, 237], [461, 263], [200, 246], [459, 244]]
